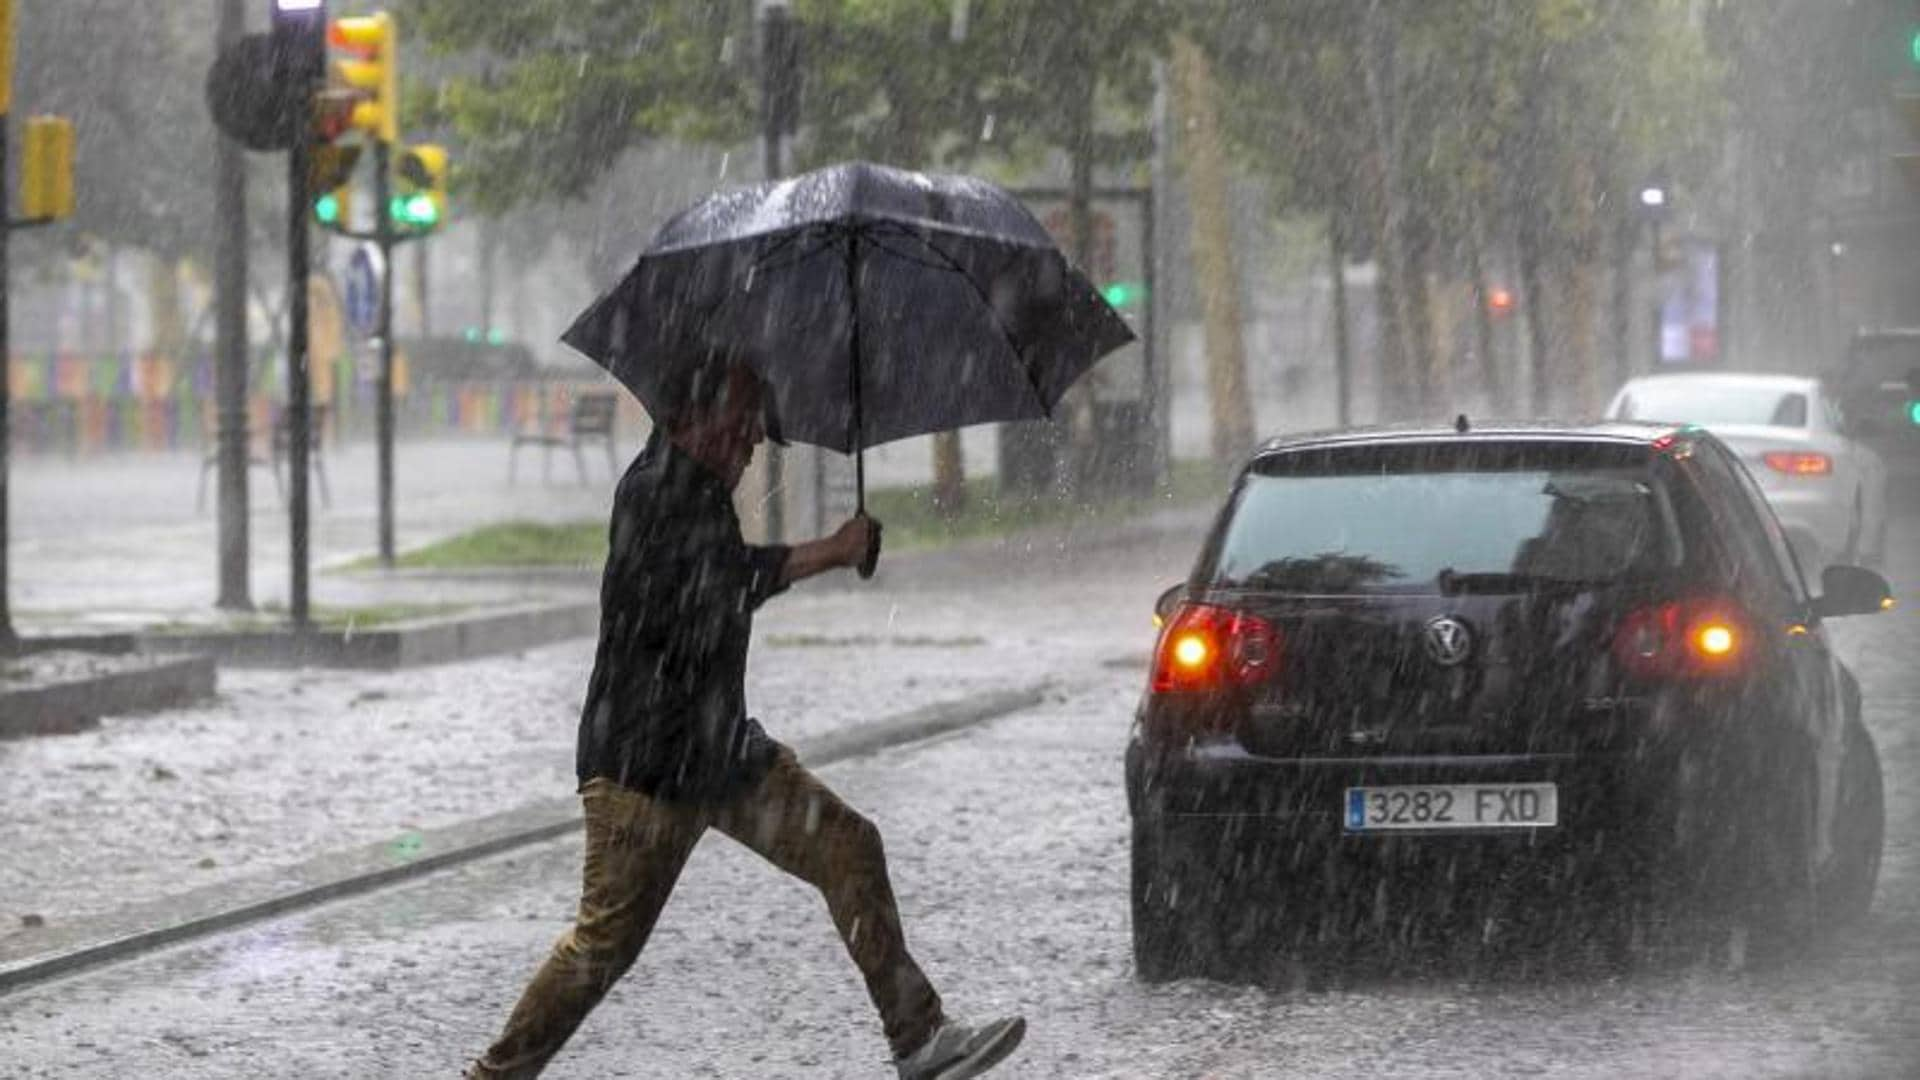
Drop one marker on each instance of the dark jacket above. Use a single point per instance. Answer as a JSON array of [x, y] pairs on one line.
[[666, 707]]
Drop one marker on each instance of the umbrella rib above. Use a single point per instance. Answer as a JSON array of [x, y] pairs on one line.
[[1006, 334]]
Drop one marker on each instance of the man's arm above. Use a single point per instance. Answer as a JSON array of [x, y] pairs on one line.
[[846, 547]]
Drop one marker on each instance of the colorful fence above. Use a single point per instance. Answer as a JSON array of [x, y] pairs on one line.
[[69, 404]]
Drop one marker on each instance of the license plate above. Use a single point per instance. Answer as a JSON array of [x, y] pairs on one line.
[[1452, 806]]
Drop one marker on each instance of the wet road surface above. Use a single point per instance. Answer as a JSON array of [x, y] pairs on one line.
[[1008, 848]]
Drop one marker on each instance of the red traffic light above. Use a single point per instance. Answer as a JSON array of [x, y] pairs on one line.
[[1500, 301]]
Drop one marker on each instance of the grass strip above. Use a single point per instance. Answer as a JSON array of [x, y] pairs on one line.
[[912, 520]]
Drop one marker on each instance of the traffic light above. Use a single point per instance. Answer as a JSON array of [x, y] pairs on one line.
[[46, 180], [371, 70], [1122, 295], [420, 188], [334, 209], [1500, 301]]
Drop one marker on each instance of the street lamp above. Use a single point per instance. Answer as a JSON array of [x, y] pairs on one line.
[[1653, 197]]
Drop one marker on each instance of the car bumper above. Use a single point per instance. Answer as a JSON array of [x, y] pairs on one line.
[[1215, 793]]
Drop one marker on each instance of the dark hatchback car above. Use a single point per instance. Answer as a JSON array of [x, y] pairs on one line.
[[1447, 683]]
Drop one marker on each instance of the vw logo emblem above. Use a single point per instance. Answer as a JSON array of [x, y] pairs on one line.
[[1449, 641]]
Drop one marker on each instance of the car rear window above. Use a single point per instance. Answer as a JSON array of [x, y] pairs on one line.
[[1713, 403], [1453, 517]]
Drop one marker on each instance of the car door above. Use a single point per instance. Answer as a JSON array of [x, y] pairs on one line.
[[1778, 592]]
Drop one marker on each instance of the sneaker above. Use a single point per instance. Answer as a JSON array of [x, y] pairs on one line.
[[956, 1051]]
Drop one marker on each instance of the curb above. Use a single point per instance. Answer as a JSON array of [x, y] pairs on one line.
[[145, 927], [409, 644], [144, 684]]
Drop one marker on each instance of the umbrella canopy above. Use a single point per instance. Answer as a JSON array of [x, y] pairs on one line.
[[876, 304]]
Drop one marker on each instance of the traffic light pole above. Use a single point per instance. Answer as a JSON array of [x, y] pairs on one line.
[[9, 641], [383, 231], [230, 288], [299, 388]]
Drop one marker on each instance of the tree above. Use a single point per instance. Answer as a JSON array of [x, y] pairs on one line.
[[544, 97], [1439, 131]]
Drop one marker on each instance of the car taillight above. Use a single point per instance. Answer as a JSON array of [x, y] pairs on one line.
[[1211, 648], [1798, 463], [1696, 638]]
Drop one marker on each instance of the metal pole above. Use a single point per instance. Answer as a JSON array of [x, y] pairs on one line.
[[853, 374], [383, 231], [1150, 358], [9, 641], [299, 416], [230, 368], [773, 45]]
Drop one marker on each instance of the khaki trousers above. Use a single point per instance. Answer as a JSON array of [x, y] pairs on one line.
[[636, 847]]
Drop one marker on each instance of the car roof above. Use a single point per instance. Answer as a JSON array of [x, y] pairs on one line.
[[1756, 379], [1616, 432]]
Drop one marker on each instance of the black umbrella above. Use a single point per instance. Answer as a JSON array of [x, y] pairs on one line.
[[876, 303]]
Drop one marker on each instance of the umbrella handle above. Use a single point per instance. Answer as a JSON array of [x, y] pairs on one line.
[[872, 559]]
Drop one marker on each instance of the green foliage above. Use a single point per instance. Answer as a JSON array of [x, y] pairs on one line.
[[547, 94], [1494, 109], [544, 96]]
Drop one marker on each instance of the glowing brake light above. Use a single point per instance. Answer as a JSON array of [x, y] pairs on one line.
[[1212, 648], [1715, 639], [1799, 463], [1683, 639]]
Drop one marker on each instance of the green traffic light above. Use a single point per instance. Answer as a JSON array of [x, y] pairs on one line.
[[1120, 294], [1913, 46], [326, 209], [1913, 412], [417, 211]]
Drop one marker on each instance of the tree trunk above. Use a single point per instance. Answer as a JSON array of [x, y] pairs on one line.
[[949, 475], [169, 330], [1405, 359], [1212, 243], [1620, 299], [1491, 383], [1423, 342], [1580, 269], [1581, 297], [1533, 301], [1342, 347]]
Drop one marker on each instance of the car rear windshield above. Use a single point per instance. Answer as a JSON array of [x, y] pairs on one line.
[[1716, 402], [1447, 518]]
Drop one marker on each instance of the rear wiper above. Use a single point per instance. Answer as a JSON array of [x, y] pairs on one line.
[[1453, 583]]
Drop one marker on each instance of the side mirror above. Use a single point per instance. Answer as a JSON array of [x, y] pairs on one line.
[[1852, 590], [1169, 600]]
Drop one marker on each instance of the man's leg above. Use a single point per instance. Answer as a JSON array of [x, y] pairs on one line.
[[636, 847], [797, 823]]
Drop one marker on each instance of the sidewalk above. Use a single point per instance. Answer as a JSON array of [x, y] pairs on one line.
[[289, 765], [113, 542]]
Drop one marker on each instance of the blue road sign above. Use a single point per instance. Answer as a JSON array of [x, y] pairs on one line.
[[363, 290]]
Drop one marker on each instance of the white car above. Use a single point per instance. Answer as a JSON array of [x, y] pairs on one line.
[[1828, 489]]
